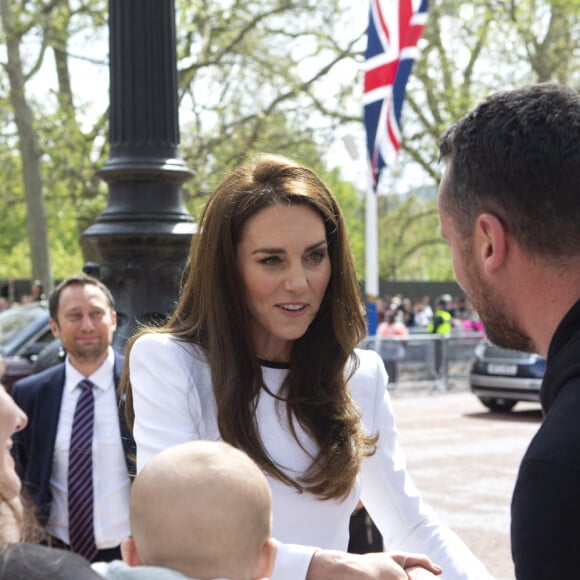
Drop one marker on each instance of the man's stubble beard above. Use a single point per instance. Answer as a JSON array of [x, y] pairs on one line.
[[88, 354], [500, 326]]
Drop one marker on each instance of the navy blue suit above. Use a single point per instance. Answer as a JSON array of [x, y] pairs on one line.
[[40, 396]]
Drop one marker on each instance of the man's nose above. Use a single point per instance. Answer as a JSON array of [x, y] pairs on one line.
[[87, 322]]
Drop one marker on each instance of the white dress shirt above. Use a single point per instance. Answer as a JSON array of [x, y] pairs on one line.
[[174, 403], [110, 478]]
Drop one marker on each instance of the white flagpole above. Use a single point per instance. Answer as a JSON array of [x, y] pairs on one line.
[[371, 258], [371, 225], [371, 243]]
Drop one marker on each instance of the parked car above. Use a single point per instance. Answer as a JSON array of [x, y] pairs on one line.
[[24, 334], [501, 377]]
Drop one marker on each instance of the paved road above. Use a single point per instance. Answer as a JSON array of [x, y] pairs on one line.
[[464, 460]]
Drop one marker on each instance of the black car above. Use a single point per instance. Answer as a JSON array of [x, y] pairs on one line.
[[501, 377], [24, 334]]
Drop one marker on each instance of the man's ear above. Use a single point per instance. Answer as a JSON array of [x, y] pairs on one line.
[[266, 559], [129, 552], [491, 243], [54, 327]]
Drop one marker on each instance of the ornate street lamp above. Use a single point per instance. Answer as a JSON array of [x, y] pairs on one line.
[[143, 235]]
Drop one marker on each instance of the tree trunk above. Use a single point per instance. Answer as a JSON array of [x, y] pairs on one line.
[[29, 152]]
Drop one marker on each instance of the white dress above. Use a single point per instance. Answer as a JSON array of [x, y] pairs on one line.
[[174, 403]]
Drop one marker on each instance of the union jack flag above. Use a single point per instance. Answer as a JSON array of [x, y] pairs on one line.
[[393, 32]]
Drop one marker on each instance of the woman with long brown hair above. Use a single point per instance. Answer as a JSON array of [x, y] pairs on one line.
[[261, 353]]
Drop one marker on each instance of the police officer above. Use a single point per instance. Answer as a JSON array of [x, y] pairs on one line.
[[441, 324]]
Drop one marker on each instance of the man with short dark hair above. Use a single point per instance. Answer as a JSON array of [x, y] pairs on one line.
[[76, 455], [509, 206]]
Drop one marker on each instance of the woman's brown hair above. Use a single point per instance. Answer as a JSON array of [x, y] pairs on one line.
[[212, 313]]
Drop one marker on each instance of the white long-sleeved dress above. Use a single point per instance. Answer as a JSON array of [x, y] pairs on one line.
[[174, 403]]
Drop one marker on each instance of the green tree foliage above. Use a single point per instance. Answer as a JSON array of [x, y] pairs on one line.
[[254, 76], [250, 77], [42, 122], [276, 75], [28, 145], [409, 238], [469, 50]]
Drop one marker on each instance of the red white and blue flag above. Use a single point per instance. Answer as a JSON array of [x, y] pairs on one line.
[[394, 31]]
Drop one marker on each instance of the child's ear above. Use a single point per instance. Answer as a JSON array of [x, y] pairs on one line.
[[266, 559], [129, 552]]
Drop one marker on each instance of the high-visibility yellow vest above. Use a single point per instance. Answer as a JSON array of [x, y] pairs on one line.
[[441, 323]]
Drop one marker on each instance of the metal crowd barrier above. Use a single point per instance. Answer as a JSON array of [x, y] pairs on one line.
[[433, 360]]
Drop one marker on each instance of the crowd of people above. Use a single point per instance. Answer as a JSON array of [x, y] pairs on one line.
[[398, 314], [237, 439]]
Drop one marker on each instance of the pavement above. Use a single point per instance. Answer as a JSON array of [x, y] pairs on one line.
[[464, 459]]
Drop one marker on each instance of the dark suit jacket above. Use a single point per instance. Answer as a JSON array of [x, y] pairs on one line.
[[40, 396]]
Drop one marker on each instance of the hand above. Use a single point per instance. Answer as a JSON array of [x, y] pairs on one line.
[[333, 565], [416, 565], [419, 573]]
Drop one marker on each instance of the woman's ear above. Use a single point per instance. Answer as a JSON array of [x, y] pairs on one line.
[[490, 242], [266, 559], [129, 552]]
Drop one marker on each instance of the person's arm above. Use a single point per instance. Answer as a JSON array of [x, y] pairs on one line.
[[292, 561], [545, 512], [165, 403], [395, 504], [168, 412], [335, 565], [295, 562]]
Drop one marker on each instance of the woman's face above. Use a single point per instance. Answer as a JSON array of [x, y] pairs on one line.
[[12, 419], [285, 268]]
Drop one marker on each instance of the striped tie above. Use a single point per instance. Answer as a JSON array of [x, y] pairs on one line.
[[80, 475]]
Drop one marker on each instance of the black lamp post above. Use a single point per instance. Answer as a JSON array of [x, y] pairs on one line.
[[143, 235]]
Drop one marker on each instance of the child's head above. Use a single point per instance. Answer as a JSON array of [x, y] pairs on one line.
[[202, 508]]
